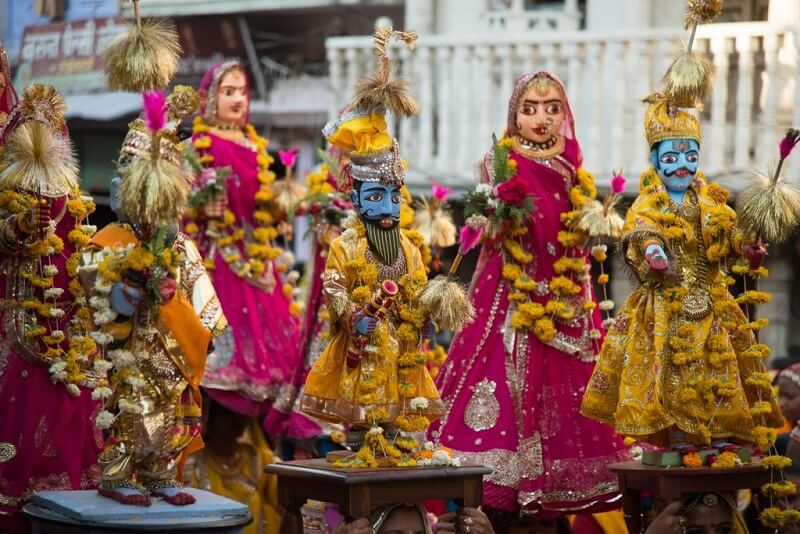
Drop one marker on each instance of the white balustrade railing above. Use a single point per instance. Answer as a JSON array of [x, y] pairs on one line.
[[463, 85]]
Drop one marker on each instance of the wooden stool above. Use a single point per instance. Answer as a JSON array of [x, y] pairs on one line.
[[358, 491], [669, 483]]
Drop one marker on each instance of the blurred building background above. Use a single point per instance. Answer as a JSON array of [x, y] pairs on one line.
[[304, 56]]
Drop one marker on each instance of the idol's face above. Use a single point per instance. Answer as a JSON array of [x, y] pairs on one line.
[[232, 98], [676, 162], [541, 113], [377, 203]]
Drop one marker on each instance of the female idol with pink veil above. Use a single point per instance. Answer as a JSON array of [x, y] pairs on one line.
[[233, 221], [515, 376]]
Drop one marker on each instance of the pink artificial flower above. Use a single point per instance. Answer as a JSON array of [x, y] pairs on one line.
[[155, 109], [440, 192], [288, 157], [617, 182], [788, 143], [207, 176]]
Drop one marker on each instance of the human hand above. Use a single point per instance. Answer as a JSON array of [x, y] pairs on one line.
[[466, 521], [35, 218], [125, 299], [359, 526], [656, 258], [216, 208], [669, 521]]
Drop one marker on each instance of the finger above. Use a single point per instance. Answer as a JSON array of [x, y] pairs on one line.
[[361, 523], [449, 517], [671, 509]]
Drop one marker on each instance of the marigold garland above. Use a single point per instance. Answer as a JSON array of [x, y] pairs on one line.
[[566, 299], [65, 365]]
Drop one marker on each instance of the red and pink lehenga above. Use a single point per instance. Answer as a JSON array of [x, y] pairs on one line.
[[48, 439], [253, 364], [512, 401]]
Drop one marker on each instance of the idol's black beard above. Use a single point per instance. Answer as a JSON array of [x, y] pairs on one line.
[[385, 242]]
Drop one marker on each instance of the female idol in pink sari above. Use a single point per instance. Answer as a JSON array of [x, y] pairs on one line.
[[513, 393], [253, 364], [48, 439]]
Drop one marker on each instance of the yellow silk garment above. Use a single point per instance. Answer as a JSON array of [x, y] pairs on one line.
[[680, 351], [244, 480], [333, 392]]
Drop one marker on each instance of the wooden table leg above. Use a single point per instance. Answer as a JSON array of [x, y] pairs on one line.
[[632, 509], [292, 522], [472, 495]]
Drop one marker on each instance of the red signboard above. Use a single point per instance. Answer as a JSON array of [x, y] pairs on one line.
[[67, 54]]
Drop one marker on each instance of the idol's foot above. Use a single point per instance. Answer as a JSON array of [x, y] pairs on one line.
[[129, 496], [175, 495]]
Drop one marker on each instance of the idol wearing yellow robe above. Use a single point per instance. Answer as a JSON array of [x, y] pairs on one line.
[[335, 392], [681, 354]]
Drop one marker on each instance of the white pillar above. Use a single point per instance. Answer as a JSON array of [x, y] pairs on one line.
[[784, 12], [420, 16], [744, 103], [721, 47]]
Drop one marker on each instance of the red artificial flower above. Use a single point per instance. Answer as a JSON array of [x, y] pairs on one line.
[[511, 191]]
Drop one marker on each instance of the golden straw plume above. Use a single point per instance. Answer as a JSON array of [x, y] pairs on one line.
[[688, 81], [435, 224], [701, 12], [379, 92], [154, 191], [145, 58], [39, 160], [45, 104], [447, 303], [288, 194], [601, 219], [768, 208], [182, 102]]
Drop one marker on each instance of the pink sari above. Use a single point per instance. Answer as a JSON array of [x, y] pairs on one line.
[[254, 363], [513, 401], [56, 440]]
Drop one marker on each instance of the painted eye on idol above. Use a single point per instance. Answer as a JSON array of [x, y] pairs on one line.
[[554, 108], [375, 197], [692, 158], [669, 158], [396, 199], [527, 109]]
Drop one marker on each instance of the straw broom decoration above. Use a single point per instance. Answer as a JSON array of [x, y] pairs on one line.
[[444, 297], [435, 223], [688, 80], [145, 57], [770, 208], [154, 191]]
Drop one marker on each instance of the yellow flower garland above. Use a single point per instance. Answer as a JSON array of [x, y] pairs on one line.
[[564, 303], [67, 366], [247, 258]]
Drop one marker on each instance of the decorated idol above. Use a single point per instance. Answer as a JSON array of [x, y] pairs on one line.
[[233, 219], [372, 373], [513, 377], [155, 312], [47, 438], [681, 366]]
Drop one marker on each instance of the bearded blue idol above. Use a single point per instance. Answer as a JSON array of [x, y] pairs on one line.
[[369, 376], [676, 162]]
